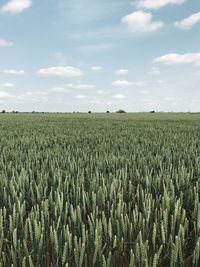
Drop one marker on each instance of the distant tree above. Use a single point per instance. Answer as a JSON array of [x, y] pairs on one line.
[[153, 111], [89, 111], [3, 111], [120, 111], [107, 111]]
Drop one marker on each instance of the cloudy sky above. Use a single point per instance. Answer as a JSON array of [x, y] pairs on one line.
[[80, 55]]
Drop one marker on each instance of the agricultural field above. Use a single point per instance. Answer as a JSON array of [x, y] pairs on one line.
[[110, 190]]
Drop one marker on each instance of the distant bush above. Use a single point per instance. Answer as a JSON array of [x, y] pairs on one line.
[[153, 111], [89, 111], [107, 111], [120, 111], [3, 111]]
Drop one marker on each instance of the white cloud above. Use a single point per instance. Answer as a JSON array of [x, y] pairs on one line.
[[119, 96], [121, 83], [5, 43], [81, 86], [33, 96], [169, 98], [96, 68], [59, 90], [156, 4], [144, 92], [189, 22], [141, 21], [154, 71], [14, 72], [8, 85], [61, 71], [66, 88], [139, 83], [160, 82], [36, 93], [99, 92], [16, 6], [5, 95], [81, 96], [122, 72], [170, 59]]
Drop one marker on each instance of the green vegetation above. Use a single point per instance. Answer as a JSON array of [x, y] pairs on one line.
[[100, 190]]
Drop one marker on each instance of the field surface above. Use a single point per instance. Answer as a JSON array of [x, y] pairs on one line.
[[110, 190]]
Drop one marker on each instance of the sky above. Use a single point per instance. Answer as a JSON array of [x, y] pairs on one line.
[[80, 55]]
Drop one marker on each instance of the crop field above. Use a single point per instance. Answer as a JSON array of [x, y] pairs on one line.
[[110, 190]]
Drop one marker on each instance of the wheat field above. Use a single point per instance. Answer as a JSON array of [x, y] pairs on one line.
[[110, 190]]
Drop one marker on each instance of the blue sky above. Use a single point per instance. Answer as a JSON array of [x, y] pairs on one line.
[[80, 55]]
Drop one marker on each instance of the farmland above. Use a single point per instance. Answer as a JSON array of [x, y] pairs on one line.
[[110, 190]]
